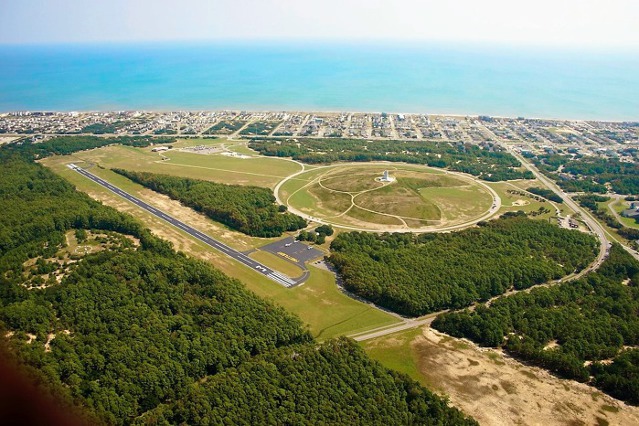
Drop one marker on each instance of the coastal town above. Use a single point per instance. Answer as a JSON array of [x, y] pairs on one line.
[[609, 139]]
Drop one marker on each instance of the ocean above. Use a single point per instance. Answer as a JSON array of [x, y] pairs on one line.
[[381, 77]]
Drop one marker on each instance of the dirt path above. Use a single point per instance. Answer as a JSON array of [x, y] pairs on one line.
[[498, 390]]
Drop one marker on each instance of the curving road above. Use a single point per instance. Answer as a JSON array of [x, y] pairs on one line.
[[232, 253], [489, 213], [593, 224]]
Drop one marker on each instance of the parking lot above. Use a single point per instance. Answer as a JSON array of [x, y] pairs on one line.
[[294, 251]]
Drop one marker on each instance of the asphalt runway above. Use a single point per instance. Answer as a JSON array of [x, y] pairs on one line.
[[240, 257], [295, 251]]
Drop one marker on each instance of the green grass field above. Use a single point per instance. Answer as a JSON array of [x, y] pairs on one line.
[[352, 179], [395, 352], [619, 206], [515, 202], [401, 201], [328, 200], [370, 217], [418, 197], [259, 171], [318, 302]]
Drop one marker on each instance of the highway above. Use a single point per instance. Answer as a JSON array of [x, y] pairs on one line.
[[232, 253], [592, 223]]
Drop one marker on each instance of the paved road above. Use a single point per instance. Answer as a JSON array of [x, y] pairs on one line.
[[592, 223], [240, 257]]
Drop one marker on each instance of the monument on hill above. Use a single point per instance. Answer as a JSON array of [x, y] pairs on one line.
[[386, 177]]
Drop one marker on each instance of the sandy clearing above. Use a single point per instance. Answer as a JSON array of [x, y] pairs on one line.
[[498, 390], [47, 345]]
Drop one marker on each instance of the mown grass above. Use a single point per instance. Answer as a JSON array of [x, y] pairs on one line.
[[458, 202], [507, 199], [319, 303], [418, 193], [366, 216], [335, 202], [322, 306], [258, 171], [619, 206], [395, 352], [397, 199]]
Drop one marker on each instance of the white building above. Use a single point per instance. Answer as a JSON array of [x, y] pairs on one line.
[[386, 177]]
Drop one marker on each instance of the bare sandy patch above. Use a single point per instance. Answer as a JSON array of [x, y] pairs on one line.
[[551, 345], [498, 390], [47, 345]]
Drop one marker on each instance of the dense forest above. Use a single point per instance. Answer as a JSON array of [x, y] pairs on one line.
[[590, 174], [333, 383], [587, 330], [248, 209], [140, 330], [490, 163], [417, 274]]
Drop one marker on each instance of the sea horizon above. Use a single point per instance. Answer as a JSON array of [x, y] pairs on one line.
[[412, 78]]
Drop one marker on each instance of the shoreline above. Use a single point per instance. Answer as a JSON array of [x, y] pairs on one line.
[[314, 112]]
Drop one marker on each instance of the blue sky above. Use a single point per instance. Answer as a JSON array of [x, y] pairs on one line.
[[541, 22]]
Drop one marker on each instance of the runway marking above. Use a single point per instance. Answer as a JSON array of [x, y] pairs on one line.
[[234, 254]]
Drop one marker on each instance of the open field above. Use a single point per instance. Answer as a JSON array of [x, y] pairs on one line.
[[619, 206], [493, 388], [318, 302], [513, 202], [258, 171], [354, 195], [323, 306]]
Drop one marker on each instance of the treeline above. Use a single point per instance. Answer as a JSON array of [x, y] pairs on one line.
[[418, 274], [147, 330], [546, 193], [490, 163], [64, 145], [248, 209], [318, 236], [38, 207], [335, 383], [578, 330], [591, 174]]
